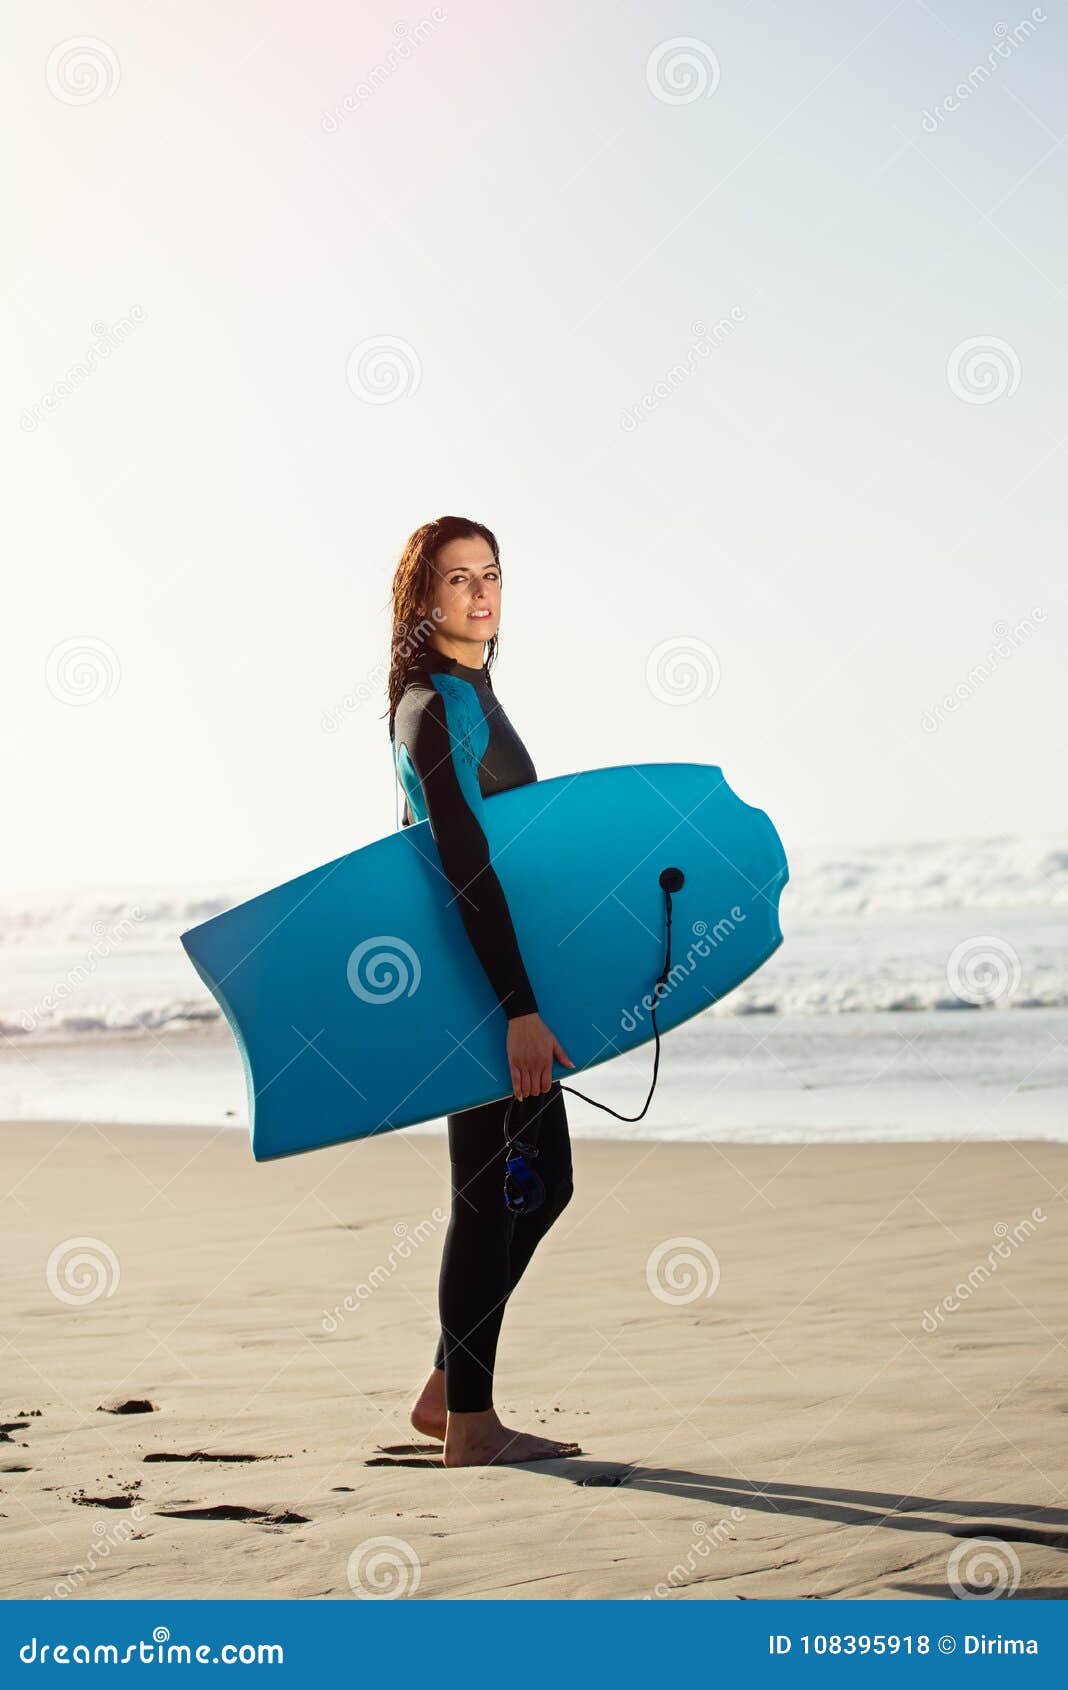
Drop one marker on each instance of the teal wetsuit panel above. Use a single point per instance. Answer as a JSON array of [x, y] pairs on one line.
[[454, 746]]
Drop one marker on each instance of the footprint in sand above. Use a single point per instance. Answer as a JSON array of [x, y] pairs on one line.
[[406, 1455], [203, 1455], [231, 1511], [124, 1499]]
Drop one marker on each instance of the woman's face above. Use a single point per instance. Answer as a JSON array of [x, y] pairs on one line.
[[468, 590]]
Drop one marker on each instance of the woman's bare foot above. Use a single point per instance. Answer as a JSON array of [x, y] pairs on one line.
[[479, 1440], [429, 1414]]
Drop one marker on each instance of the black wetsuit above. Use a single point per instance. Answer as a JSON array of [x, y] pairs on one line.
[[454, 747]]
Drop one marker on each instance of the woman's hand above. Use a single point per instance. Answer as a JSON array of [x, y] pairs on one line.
[[532, 1049]]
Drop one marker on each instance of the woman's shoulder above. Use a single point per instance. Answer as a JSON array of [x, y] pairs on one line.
[[420, 698], [423, 682]]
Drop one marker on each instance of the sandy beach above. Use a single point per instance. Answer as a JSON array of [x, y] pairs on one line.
[[795, 1371]]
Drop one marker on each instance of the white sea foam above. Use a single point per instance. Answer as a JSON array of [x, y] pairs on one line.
[[868, 930], [1001, 873]]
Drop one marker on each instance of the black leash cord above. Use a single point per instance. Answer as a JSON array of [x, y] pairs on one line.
[[671, 880]]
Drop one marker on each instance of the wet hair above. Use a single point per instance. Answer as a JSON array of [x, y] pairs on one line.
[[414, 585]]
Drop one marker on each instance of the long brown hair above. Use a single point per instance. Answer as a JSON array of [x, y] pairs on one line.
[[413, 585]]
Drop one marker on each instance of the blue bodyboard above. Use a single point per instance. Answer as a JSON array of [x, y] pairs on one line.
[[357, 1000]]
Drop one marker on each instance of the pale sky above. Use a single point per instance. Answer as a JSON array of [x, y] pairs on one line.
[[541, 213]]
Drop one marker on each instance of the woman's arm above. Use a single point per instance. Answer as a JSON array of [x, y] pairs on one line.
[[453, 799]]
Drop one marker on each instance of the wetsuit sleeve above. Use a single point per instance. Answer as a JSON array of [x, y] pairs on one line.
[[452, 806]]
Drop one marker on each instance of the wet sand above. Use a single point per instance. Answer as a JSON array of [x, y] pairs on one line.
[[794, 1371]]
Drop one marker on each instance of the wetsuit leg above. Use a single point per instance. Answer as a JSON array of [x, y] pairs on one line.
[[544, 1124], [487, 1248]]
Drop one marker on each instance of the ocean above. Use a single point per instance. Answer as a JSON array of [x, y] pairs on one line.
[[921, 991]]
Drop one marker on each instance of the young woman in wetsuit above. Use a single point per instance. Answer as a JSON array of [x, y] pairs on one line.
[[453, 747]]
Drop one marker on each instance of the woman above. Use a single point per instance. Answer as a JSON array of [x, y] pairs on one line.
[[453, 746]]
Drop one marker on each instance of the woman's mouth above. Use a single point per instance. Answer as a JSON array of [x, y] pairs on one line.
[[479, 615]]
